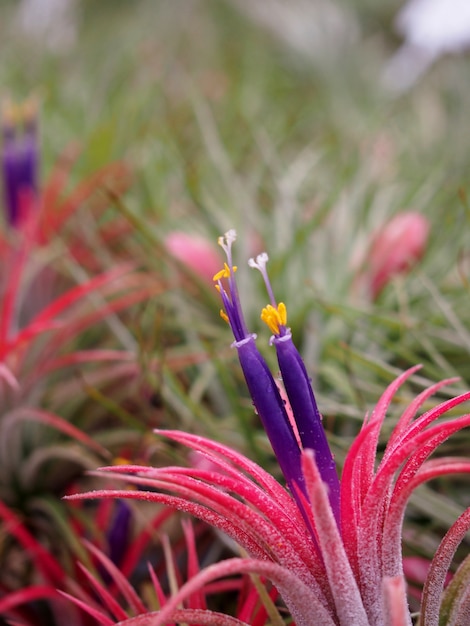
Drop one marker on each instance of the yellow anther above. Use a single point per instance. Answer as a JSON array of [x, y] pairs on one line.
[[281, 308], [224, 316], [225, 272], [219, 275], [274, 317], [11, 114], [120, 460], [29, 109]]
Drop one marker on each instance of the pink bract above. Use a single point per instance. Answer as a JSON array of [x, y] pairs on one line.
[[395, 249], [195, 252]]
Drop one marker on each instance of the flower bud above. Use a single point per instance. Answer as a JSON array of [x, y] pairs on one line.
[[194, 252], [396, 249]]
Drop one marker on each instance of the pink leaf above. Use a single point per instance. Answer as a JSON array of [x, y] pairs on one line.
[[411, 411], [273, 543], [434, 585], [7, 375], [50, 419], [111, 604], [117, 577], [99, 616], [198, 600], [348, 602], [139, 543], [45, 562], [157, 587], [392, 553], [259, 475], [301, 600], [24, 596], [186, 616], [396, 611], [358, 470]]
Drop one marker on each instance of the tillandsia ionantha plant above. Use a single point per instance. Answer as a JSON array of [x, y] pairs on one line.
[[65, 344], [47, 320], [332, 548], [52, 285]]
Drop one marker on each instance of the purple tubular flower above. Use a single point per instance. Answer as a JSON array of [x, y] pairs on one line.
[[306, 413], [261, 385], [9, 174], [119, 533], [299, 389], [19, 161], [271, 410]]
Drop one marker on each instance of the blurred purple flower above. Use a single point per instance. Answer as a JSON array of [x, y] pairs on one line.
[[119, 532], [20, 160]]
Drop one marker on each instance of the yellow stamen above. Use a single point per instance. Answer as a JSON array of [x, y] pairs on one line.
[[225, 272], [29, 109], [224, 316], [281, 307], [274, 317], [120, 460], [11, 114]]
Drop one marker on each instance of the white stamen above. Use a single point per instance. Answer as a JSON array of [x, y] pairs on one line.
[[227, 240], [260, 262]]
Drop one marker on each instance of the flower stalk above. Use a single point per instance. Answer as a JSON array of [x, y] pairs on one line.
[[264, 390]]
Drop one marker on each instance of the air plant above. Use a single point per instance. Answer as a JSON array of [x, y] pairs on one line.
[[63, 341], [181, 563], [111, 553], [107, 570], [54, 292], [46, 371], [331, 548]]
